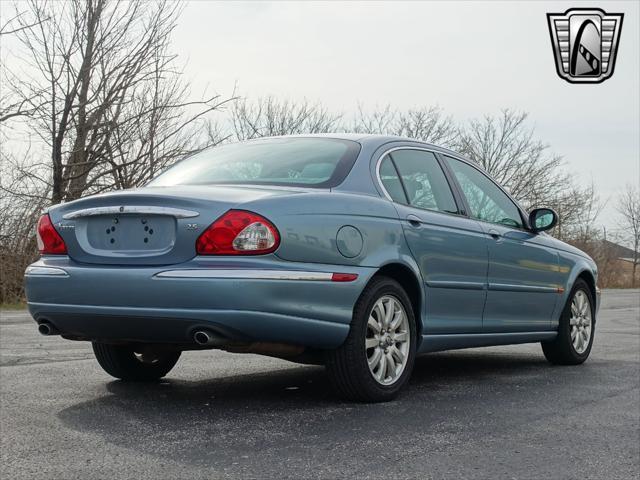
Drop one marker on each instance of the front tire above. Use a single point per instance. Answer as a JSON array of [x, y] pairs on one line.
[[376, 359], [135, 364], [575, 330]]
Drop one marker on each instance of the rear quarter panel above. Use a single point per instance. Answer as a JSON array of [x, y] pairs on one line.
[[309, 226]]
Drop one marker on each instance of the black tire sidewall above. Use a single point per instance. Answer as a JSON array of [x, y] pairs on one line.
[[120, 362]]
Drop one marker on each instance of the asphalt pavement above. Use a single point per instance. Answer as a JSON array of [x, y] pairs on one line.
[[500, 412]]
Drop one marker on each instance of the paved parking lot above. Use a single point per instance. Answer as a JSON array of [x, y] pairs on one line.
[[483, 413]]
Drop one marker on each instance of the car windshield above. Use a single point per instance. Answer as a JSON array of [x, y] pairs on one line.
[[313, 162]]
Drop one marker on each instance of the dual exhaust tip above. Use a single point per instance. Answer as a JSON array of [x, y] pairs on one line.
[[45, 328], [201, 337], [208, 338]]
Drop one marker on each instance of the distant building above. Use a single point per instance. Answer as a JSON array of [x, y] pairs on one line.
[[623, 259]]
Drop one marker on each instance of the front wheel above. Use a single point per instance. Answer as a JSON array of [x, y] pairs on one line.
[[376, 359], [142, 363], [575, 330]]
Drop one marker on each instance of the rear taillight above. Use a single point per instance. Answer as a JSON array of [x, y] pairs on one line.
[[239, 232], [49, 240]]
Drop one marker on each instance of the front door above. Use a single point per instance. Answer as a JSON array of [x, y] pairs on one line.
[[523, 280], [451, 250]]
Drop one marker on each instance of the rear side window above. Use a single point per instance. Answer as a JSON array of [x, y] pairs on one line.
[[486, 200], [422, 180], [391, 181], [308, 162]]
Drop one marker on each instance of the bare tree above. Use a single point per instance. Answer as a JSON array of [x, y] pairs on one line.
[[269, 116], [101, 101], [507, 149], [578, 209], [629, 209], [18, 216], [428, 124], [9, 26], [11, 107], [105, 92]]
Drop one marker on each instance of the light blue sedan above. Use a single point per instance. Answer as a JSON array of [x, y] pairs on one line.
[[356, 252]]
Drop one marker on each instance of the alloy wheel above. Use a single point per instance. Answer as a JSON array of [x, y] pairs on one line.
[[580, 322], [388, 340]]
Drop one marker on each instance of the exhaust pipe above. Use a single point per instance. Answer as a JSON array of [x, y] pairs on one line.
[[206, 338], [45, 328]]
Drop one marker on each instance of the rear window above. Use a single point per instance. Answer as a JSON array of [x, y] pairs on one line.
[[309, 162]]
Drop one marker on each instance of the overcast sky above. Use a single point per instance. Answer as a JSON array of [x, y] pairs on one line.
[[470, 58]]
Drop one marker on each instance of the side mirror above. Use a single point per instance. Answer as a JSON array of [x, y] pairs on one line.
[[541, 219]]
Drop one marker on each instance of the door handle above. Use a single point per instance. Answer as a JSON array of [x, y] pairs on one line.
[[495, 235], [414, 221]]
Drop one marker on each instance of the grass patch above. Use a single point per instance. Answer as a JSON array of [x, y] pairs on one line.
[[13, 306]]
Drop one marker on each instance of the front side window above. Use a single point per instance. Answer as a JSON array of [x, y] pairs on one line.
[[308, 162], [486, 200], [422, 180]]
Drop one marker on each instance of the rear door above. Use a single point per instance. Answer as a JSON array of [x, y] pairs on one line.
[[451, 250], [523, 278]]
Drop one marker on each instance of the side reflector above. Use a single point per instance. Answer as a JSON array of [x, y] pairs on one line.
[[344, 277]]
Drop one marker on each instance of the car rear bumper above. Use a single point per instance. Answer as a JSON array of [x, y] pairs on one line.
[[243, 299]]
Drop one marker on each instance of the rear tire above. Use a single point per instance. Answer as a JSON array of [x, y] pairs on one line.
[[373, 335], [135, 364], [577, 319]]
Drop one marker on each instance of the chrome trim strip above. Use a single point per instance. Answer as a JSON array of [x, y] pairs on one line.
[[129, 209], [501, 287], [505, 287], [45, 271], [248, 274], [458, 285]]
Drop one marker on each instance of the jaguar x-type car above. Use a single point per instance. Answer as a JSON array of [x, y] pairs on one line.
[[357, 252]]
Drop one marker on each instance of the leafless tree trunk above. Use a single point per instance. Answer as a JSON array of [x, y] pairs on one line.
[[100, 97], [629, 208], [105, 92]]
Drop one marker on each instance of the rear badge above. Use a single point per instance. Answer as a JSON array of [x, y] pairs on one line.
[[192, 226], [65, 226]]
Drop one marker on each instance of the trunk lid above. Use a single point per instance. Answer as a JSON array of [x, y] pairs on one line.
[[147, 226]]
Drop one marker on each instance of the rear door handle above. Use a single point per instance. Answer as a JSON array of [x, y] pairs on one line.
[[414, 221], [495, 234]]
